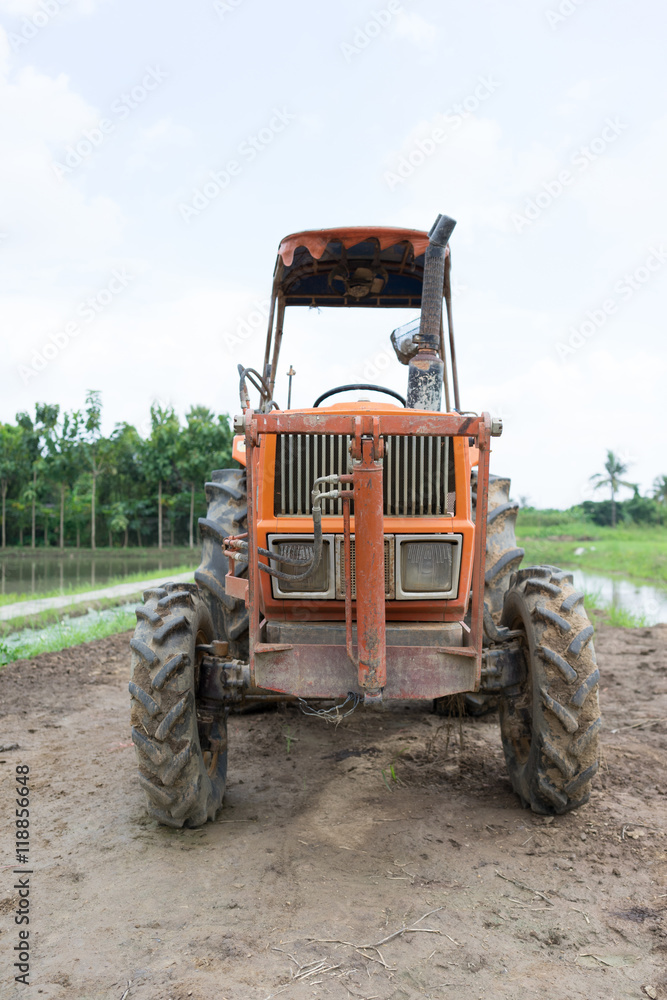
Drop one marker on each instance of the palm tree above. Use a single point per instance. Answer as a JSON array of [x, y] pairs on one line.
[[614, 468]]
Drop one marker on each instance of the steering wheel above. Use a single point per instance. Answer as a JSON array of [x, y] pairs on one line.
[[360, 385]]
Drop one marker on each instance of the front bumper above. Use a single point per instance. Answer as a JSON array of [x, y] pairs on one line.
[[310, 660]]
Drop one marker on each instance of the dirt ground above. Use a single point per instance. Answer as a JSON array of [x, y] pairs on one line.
[[321, 849]]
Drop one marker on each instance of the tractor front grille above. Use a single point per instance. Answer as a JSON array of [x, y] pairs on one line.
[[340, 567], [418, 473]]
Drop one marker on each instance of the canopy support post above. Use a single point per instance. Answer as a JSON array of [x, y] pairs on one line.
[[277, 341], [272, 309], [450, 326]]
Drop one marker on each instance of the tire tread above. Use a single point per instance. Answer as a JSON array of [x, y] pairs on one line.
[[173, 773], [550, 738]]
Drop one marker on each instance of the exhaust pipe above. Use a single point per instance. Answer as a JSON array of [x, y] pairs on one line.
[[426, 368]]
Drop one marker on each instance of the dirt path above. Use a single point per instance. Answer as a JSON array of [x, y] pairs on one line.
[[33, 607], [317, 841]]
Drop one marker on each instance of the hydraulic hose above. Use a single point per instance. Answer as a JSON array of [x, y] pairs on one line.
[[313, 563], [259, 383]]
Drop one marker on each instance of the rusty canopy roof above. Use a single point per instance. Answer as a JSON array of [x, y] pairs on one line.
[[353, 266]]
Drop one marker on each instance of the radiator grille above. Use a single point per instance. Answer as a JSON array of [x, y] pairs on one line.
[[340, 567], [418, 473]]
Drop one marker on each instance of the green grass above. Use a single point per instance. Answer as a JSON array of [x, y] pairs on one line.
[[113, 582], [621, 618], [635, 551], [53, 616], [65, 635]]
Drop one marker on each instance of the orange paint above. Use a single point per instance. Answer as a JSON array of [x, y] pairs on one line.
[[238, 449]]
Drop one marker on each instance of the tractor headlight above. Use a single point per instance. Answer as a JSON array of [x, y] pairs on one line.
[[428, 566], [319, 584]]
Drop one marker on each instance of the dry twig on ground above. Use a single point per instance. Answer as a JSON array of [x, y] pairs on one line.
[[522, 885], [406, 929]]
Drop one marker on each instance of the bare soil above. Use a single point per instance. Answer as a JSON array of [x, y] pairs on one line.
[[334, 838]]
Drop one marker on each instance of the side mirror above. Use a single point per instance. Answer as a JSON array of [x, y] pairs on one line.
[[402, 340]]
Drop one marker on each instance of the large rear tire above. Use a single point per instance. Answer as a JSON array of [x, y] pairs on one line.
[[227, 514], [184, 781], [550, 722]]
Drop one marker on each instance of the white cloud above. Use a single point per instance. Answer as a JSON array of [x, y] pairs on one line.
[[5, 53], [620, 192], [491, 178], [559, 417], [576, 95], [414, 27], [179, 343], [559, 421], [165, 337], [167, 131], [52, 225], [474, 162], [150, 145], [25, 8], [581, 91]]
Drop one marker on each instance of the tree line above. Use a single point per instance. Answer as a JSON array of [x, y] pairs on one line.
[[63, 482], [650, 509], [647, 510]]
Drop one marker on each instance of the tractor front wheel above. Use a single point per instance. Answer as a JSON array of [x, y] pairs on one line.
[[181, 746], [227, 514], [550, 721]]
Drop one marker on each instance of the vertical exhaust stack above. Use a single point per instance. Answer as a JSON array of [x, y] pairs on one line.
[[426, 368]]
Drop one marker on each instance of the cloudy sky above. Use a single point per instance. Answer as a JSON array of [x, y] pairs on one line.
[[152, 155]]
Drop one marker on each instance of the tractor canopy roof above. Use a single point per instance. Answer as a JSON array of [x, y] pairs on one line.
[[353, 266]]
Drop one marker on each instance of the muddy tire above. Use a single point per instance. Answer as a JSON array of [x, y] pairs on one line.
[[503, 555], [227, 514], [184, 784], [550, 722]]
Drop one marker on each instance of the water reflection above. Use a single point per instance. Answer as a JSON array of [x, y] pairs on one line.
[[638, 598], [52, 573]]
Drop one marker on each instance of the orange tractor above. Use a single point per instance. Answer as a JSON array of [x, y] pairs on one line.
[[360, 553]]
